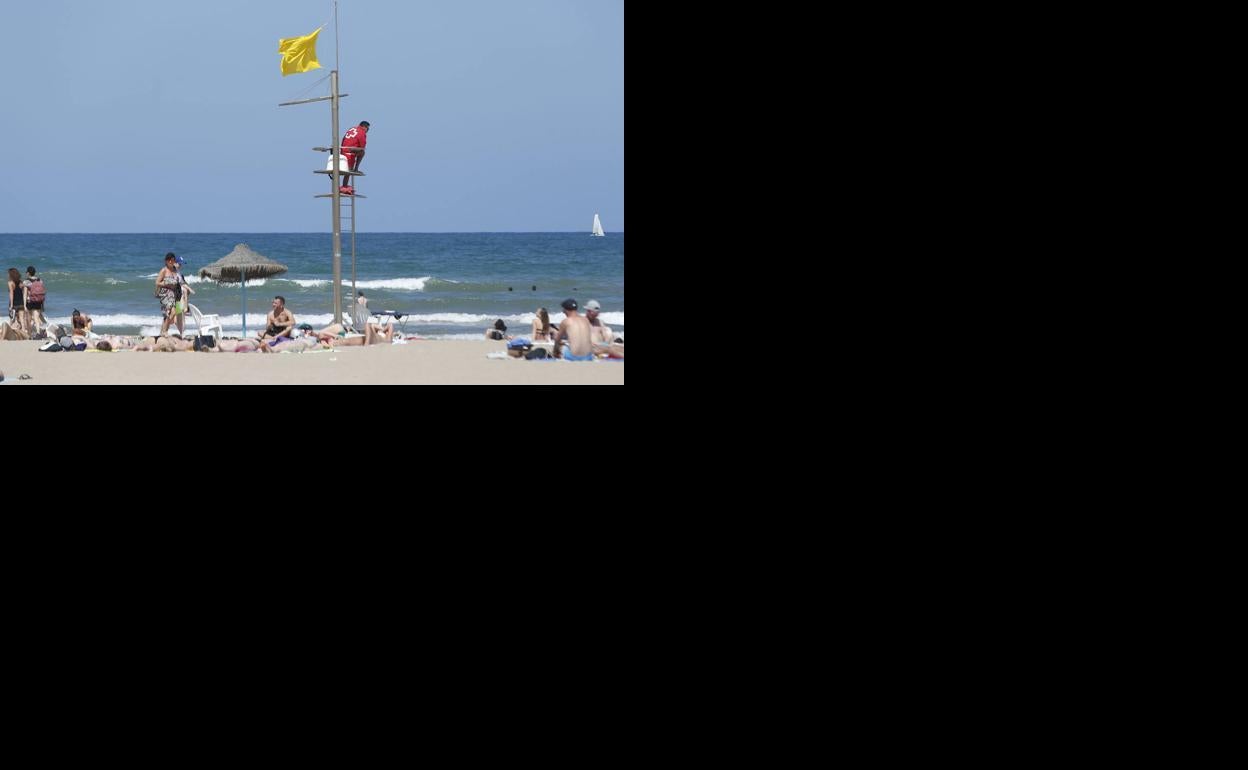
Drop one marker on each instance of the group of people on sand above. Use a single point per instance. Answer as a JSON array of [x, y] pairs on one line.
[[281, 334], [587, 336], [28, 295], [26, 299]]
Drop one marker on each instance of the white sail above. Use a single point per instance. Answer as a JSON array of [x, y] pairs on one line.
[[598, 226]]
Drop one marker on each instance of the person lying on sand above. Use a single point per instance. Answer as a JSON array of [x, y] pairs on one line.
[[164, 344], [113, 342]]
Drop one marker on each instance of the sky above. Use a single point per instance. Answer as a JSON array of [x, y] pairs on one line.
[[161, 116]]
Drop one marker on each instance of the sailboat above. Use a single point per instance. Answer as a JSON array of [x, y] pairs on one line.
[[598, 227]]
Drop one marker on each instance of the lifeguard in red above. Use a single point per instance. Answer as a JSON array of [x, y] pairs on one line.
[[353, 143]]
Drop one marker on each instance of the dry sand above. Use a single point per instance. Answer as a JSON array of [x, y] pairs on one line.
[[420, 362]]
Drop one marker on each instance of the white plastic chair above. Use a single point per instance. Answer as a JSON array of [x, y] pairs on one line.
[[208, 324]]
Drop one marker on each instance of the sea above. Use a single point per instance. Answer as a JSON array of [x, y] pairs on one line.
[[446, 285]]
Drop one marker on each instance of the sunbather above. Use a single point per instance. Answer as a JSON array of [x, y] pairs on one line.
[[542, 330], [164, 344], [237, 346], [113, 342]]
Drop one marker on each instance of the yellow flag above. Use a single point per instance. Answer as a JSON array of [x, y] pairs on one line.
[[299, 54]]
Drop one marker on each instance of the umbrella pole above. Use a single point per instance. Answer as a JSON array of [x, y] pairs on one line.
[[244, 306]]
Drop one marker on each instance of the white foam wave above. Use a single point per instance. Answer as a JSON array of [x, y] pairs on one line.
[[193, 279], [399, 284], [610, 319], [112, 320], [321, 320], [113, 281], [308, 284]]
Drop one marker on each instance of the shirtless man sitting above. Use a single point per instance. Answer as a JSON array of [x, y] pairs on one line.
[[281, 321], [602, 334], [576, 329]]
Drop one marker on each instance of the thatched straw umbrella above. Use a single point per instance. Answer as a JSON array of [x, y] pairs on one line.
[[240, 265]]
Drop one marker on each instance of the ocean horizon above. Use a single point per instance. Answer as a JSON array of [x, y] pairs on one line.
[[448, 285]]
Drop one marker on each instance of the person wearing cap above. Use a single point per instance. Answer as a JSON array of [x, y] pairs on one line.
[[577, 331], [353, 143], [185, 285], [602, 334]]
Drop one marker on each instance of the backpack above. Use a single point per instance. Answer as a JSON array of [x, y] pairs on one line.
[[37, 291]]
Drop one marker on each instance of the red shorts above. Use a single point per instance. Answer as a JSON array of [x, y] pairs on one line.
[[352, 160]]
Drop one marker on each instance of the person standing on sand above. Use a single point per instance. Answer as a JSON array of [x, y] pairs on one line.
[[17, 302], [168, 291], [36, 293]]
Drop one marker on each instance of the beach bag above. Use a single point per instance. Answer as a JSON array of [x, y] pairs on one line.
[[535, 353], [37, 291], [205, 341], [518, 347], [51, 347]]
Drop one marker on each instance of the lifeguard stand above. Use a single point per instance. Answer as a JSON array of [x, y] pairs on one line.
[[346, 206], [343, 205]]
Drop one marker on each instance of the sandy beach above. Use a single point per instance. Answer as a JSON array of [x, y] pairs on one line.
[[420, 362]]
